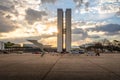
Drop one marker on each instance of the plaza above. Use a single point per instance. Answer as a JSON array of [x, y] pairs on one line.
[[29, 66]]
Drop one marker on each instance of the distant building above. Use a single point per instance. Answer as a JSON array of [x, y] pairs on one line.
[[36, 44], [2, 45], [29, 45], [16, 45]]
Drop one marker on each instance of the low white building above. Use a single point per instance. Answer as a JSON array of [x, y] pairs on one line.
[[29, 45], [2, 45]]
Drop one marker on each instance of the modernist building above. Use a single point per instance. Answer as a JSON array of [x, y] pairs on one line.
[[60, 30], [68, 30], [64, 31]]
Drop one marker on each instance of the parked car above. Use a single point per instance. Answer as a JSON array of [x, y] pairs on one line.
[[81, 51], [37, 52], [77, 51]]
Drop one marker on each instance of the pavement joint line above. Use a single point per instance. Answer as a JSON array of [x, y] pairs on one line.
[[43, 78], [108, 70]]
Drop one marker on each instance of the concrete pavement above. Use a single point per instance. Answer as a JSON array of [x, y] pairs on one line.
[[59, 67]]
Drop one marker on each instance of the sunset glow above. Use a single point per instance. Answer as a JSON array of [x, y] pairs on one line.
[[37, 19]]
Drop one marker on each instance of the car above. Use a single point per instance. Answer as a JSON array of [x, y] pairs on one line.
[[77, 51], [37, 52], [81, 51]]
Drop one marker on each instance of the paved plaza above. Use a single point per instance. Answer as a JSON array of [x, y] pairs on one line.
[[59, 67]]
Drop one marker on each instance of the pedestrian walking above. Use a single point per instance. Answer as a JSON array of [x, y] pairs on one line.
[[97, 52]]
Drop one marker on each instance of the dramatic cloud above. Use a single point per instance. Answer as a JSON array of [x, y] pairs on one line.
[[33, 15], [37, 19], [6, 25], [109, 28], [4, 8], [41, 38], [78, 31], [7, 5], [78, 34]]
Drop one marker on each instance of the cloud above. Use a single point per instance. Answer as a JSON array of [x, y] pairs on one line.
[[33, 15], [4, 8], [90, 12], [49, 41], [104, 1], [108, 6], [78, 23], [48, 1], [78, 2], [94, 36], [7, 6], [82, 4], [94, 30], [110, 29], [6, 25], [1, 35], [77, 31], [48, 35], [87, 5], [118, 13], [24, 39], [79, 34], [20, 39]]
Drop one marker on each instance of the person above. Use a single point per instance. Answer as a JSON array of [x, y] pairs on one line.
[[97, 53]]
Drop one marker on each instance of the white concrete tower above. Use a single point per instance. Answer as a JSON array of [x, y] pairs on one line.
[[2, 45], [60, 30], [68, 30]]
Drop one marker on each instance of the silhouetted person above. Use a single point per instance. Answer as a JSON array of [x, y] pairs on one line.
[[97, 53]]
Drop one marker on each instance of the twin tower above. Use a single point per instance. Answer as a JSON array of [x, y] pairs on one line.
[[64, 30]]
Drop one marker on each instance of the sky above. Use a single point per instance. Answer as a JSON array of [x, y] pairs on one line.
[[92, 20]]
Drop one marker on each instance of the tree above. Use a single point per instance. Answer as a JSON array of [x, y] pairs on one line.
[[9, 44], [116, 45], [116, 42]]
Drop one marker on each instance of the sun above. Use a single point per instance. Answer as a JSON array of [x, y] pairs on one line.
[[52, 30]]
